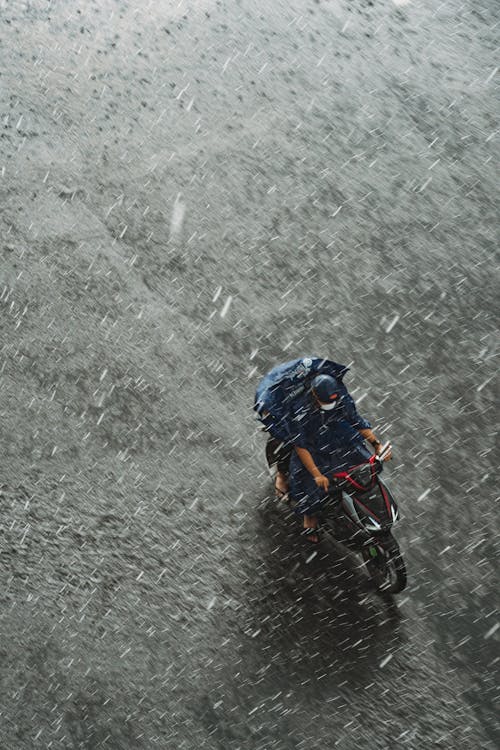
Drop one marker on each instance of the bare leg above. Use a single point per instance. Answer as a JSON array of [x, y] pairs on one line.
[[311, 522]]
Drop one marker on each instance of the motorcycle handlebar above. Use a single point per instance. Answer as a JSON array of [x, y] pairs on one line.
[[375, 458], [386, 448]]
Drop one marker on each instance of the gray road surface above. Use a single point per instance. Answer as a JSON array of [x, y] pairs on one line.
[[192, 192]]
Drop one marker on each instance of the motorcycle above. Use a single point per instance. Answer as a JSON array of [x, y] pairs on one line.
[[360, 513]]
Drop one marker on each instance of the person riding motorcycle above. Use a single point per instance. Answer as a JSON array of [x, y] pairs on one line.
[[328, 435], [286, 403], [275, 397]]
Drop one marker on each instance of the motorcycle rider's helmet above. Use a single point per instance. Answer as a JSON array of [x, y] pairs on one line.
[[327, 391]]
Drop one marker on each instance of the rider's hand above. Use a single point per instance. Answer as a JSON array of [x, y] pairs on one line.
[[322, 482]]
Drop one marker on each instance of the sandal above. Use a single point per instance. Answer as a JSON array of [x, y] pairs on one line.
[[311, 535], [281, 494]]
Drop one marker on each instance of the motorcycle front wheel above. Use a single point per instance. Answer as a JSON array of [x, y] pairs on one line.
[[385, 564]]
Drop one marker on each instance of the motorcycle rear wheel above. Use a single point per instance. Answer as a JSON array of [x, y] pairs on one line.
[[385, 565]]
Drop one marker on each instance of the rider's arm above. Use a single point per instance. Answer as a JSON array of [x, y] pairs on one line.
[[370, 436], [311, 467], [362, 425]]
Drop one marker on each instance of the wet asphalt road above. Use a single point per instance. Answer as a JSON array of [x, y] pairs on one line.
[[192, 192]]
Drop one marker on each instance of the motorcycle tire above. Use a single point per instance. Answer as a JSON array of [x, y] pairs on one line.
[[385, 565]]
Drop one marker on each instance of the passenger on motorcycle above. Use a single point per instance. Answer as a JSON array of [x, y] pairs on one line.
[[328, 437]]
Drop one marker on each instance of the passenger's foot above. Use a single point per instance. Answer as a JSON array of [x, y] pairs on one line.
[[281, 487], [311, 529]]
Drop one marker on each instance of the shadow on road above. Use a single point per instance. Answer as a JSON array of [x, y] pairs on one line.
[[312, 630], [315, 604]]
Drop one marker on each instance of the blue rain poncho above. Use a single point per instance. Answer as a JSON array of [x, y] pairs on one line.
[[280, 392]]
